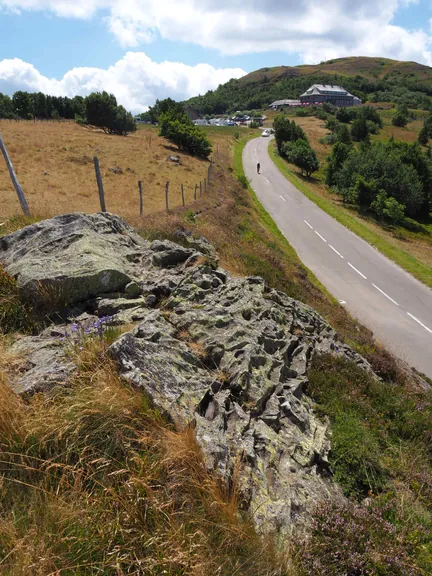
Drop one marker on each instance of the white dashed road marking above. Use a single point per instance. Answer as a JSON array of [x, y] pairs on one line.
[[322, 238], [358, 271], [418, 322], [334, 250], [386, 295], [308, 224], [282, 198]]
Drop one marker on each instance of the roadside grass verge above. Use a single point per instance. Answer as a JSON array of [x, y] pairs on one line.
[[399, 256], [381, 434]]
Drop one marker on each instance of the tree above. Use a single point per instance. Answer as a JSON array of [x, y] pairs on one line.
[[287, 131], [388, 208], [22, 104], [399, 119], [302, 155], [359, 129], [345, 115], [102, 110], [336, 161], [6, 107], [343, 134], [184, 134], [423, 136]]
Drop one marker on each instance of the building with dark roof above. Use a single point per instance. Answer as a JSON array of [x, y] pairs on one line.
[[336, 95], [281, 103]]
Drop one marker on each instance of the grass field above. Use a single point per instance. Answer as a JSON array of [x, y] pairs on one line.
[[54, 164]]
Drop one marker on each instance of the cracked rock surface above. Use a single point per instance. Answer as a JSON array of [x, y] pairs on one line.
[[226, 355]]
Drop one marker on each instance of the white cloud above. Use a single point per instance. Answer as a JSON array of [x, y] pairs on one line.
[[135, 80], [316, 29]]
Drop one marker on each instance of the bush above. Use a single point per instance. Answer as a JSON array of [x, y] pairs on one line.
[[399, 119], [14, 314], [388, 208], [301, 155], [356, 540], [80, 120], [254, 124], [359, 129], [372, 127], [346, 115], [243, 180], [184, 134], [332, 124], [423, 136]]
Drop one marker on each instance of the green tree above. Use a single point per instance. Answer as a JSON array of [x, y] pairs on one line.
[[102, 110], [336, 161], [423, 136], [343, 134], [399, 119], [22, 104], [184, 134], [359, 129], [302, 155], [388, 208], [6, 106]]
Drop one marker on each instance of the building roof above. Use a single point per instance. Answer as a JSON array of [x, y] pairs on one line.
[[284, 102], [330, 89]]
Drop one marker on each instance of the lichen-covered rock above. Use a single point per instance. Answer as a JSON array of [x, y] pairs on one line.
[[226, 355], [232, 357], [71, 258]]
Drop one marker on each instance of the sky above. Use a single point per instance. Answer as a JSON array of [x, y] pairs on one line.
[[141, 50]]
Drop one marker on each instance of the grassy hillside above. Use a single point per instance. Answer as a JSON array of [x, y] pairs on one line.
[[376, 79], [94, 481]]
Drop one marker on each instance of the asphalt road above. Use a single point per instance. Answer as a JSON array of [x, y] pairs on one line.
[[385, 298]]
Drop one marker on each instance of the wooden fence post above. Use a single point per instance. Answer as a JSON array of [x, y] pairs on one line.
[[195, 195], [205, 185], [182, 189], [17, 186], [166, 194], [200, 188], [99, 183], [141, 196]]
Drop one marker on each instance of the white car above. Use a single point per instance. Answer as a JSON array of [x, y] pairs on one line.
[[266, 133]]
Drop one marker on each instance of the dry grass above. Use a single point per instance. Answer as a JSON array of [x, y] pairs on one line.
[[54, 164], [94, 481]]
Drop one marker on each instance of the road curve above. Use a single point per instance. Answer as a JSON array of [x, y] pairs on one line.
[[385, 298]]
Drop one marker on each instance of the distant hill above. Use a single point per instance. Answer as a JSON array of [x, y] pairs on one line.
[[374, 79]]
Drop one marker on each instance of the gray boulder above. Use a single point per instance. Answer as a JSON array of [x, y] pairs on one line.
[[71, 258]]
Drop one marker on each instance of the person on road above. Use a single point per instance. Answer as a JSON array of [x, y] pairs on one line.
[[258, 168]]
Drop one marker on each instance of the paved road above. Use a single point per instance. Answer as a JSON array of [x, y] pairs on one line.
[[385, 298]]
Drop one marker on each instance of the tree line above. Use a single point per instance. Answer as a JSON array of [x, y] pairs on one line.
[[98, 109]]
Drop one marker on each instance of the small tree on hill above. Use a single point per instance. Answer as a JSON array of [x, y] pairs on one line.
[[183, 133], [399, 119], [303, 156], [102, 110], [359, 130], [423, 136]]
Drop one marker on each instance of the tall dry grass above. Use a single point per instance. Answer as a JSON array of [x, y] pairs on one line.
[[95, 481]]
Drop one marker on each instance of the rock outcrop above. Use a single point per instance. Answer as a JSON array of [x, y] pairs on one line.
[[226, 355]]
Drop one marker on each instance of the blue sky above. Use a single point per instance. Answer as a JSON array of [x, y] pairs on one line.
[[143, 49]]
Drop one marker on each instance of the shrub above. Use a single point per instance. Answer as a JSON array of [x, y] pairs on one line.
[[14, 314], [423, 136], [357, 540], [183, 133], [301, 155], [243, 180], [254, 124], [80, 120], [359, 129], [346, 115], [399, 119], [388, 208]]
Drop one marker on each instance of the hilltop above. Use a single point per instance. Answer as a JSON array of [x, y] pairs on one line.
[[375, 79]]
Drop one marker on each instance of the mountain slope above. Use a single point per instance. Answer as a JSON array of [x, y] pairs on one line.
[[369, 78]]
